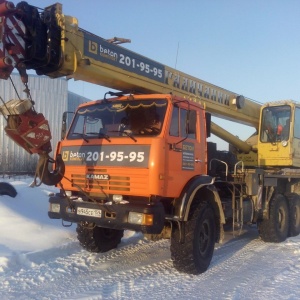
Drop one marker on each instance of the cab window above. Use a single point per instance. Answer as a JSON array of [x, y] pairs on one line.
[[297, 124], [183, 123]]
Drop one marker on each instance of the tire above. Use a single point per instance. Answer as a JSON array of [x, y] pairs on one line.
[[7, 189], [195, 254], [275, 229], [294, 214], [98, 239]]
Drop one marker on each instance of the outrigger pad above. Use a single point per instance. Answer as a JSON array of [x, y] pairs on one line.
[[7, 189]]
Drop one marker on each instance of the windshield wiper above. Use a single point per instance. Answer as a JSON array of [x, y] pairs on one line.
[[100, 135], [129, 134], [82, 135]]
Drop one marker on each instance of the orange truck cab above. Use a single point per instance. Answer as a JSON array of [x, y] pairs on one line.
[[128, 159]]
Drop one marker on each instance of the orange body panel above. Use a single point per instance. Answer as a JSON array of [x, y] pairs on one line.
[[165, 172]]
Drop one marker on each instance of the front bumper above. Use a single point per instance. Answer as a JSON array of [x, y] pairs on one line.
[[114, 216]]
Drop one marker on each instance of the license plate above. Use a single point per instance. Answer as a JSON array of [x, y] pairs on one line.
[[90, 212]]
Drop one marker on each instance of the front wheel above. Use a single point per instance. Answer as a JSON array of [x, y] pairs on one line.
[[98, 239], [194, 255], [275, 228]]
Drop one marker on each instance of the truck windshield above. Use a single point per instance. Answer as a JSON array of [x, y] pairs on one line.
[[275, 124], [119, 118]]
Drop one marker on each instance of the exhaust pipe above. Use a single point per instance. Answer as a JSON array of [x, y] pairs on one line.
[[50, 177]]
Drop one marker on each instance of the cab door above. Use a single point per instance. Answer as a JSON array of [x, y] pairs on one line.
[[295, 130], [186, 156]]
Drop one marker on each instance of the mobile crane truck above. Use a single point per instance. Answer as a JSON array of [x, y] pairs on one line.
[[139, 159]]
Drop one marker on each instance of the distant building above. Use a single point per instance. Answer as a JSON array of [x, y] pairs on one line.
[[51, 98]]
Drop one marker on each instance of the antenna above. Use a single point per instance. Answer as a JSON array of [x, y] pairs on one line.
[[176, 56]]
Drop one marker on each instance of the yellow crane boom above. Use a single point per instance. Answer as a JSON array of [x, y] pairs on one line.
[[122, 69], [78, 54]]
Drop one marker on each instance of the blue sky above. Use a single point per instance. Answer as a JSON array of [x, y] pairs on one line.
[[249, 47]]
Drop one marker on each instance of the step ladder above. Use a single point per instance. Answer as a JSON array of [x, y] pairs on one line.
[[237, 193]]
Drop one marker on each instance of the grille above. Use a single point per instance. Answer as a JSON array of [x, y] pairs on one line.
[[116, 183], [124, 181]]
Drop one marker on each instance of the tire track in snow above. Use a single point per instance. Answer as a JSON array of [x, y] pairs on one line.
[[129, 266], [280, 276], [69, 272], [246, 271], [144, 269]]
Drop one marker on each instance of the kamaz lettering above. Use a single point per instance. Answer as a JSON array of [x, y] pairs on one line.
[[97, 176]]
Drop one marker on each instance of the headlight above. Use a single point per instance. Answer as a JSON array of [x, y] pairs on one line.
[[54, 207], [68, 193], [140, 218], [284, 143], [117, 198]]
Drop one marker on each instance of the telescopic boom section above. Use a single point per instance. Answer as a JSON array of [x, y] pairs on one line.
[[53, 45]]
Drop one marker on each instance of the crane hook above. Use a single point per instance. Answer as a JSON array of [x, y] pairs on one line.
[[47, 177]]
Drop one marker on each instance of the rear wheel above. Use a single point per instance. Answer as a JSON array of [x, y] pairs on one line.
[[194, 255], [294, 214], [275, 229], [98, 239]]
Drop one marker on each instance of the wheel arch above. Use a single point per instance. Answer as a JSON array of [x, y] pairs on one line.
[[201, 188]]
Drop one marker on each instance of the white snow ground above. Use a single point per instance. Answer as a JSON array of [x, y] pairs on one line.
[[40, 259]]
